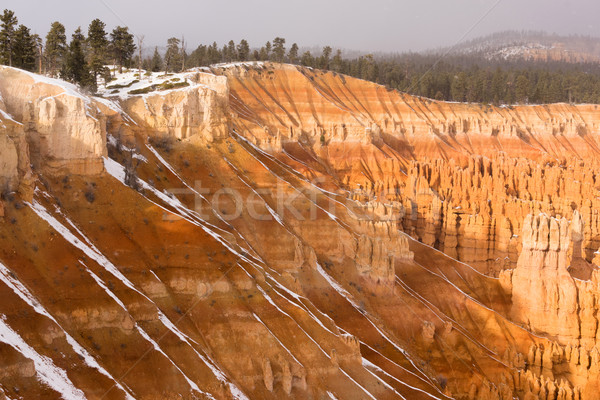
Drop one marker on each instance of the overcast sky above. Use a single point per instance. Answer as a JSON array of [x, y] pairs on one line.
[[368, 25]]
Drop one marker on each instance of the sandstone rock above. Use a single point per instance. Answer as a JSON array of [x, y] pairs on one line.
[[200, 110], [267, 374], [65, 131]]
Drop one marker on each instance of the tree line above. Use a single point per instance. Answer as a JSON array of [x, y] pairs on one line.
[[463, 77], [81, 60]]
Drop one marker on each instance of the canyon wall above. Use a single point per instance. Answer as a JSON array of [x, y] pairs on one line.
[[296, 234], [64, 129], [200, 110]]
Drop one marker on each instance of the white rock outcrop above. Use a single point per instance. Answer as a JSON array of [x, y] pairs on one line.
[[200, 110], [65, 130]]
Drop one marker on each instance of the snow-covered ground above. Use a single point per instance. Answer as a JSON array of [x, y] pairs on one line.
[[130, 80]]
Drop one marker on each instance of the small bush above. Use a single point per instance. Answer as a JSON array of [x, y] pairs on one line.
[[159, 86], [164, 143], [123, 86], [90, 195]]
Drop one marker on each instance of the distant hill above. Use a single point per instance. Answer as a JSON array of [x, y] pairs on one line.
[[532, 46]]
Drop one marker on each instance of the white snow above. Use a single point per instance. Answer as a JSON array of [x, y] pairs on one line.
[[129, 77], [47, 372], [239, 64]]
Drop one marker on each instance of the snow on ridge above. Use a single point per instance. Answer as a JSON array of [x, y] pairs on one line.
[[68, 88], [46, 371], [130, 79], [239, 64]]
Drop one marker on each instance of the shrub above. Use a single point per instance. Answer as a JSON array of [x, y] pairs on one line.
[[90, 195], [123, 86], [159, 86], [164, 143]]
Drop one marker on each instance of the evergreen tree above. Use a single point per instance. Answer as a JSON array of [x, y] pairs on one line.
[[522, 89], [337, 62], [199, 56], [172, 56], [157, 62], [123, 47], [458, 88], [24, 49], [232, 53], [278, 49], [224, 53], [324, 61], [56, 47], [307, 59], [8, 22], [266, 55], [76, 68], [293, 54], [213, 54], [243, 50], [98, 47]]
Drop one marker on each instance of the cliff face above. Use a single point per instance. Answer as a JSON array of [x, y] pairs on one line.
[[64, 128], [277, 232], [279, 105], [201, 109]]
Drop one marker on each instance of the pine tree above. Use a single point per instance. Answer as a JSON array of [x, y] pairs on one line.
[[213, 54], [172, 56], [324, 61], [267, 53], [199, 56], [8, 22], [293, 54], [24, 49], [522, 89], [76, 68], [278, 49], [157, 61], [458, 88], [123, 47], [56, 47], [98, 47], [232, 51], [307, 59], [243, 50], [337, 62]]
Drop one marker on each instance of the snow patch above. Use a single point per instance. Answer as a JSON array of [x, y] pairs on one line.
[[47, 372]]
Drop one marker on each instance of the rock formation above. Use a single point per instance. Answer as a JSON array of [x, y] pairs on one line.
[[295, 234], [198, 110]]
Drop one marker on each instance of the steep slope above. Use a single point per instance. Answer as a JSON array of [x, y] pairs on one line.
[[274, 232]]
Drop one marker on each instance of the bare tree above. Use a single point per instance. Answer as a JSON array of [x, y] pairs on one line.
[[40, 48], [182, 53], [140, 40]]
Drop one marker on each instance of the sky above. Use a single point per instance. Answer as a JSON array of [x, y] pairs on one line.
[[363, 25]]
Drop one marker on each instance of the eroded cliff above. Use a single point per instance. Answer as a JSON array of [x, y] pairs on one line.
[[278, 232]]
